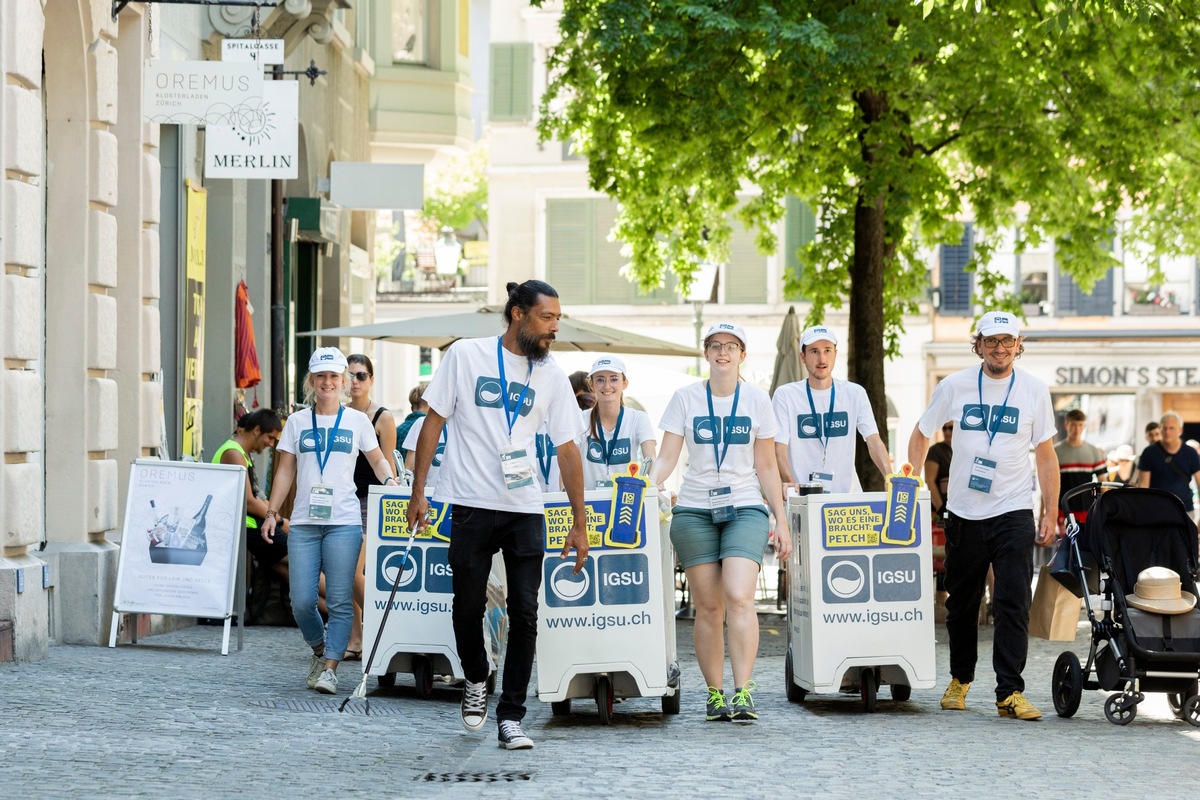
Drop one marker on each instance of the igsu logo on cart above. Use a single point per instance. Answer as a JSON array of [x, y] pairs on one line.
[[565, 590], [846, 579], [390, 561], [624, 579], [439, 578], [896, 577]]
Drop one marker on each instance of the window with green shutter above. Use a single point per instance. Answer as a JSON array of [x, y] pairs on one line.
[[511, 96], [800, 228], [746, 272]]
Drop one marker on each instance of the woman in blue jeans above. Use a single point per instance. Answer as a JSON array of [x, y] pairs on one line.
[[317, 451]]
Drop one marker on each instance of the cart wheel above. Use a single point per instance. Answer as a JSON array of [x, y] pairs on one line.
[[1118, 710], [561, 708], [604, 699], [1176, 700], [1191, 710], [1067, 684], [671, 703], [422, 669], [901, 692], [794, 693], [866, 688], [387, 679], [491, 683]]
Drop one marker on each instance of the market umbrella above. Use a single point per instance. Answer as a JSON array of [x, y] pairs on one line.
[[789, 366], [441, 331]]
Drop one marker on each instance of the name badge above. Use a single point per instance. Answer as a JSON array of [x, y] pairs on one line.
[[604, 484], [516, 467], [320, 502], [823, 478], [983, 472], [720, 502]]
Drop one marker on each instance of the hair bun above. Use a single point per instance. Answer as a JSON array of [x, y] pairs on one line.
[[511, 286]]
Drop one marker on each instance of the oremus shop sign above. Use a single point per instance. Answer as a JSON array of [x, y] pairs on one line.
[[199, 92], [263, 142]]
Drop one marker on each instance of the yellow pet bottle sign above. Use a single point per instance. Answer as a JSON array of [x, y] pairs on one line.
[[900, 519]]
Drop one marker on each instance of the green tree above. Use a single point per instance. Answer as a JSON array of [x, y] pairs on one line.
[[896, 119], [456, 194]]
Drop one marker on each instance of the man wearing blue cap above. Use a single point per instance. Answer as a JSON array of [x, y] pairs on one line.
[[1000, 413], [817, 418]]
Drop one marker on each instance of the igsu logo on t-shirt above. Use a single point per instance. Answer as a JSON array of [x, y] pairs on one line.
[[1001, 419], [488, 394], [735, 430], [618, 454], [343, 442], [809, 426]]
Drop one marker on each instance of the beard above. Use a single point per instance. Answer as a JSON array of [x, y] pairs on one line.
[[533, 345]]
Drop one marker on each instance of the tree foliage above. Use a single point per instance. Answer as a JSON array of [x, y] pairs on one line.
[[897, 119], [456, 194]]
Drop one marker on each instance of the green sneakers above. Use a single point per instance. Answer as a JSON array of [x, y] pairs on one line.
[[743, 704], [717, 709]]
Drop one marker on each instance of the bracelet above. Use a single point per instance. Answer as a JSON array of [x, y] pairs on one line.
[[273, 513]]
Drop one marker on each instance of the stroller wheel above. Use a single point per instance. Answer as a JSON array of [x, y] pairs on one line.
[[1191, 710], [1067, 686], [1120, 709], [1176, 700]]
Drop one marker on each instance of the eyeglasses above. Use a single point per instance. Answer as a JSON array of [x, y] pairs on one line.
[[1007, 342], [360, 376], [723, 347]]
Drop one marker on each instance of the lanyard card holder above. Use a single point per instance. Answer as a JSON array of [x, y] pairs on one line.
[[320, 502], [515, 466], [720, 503]]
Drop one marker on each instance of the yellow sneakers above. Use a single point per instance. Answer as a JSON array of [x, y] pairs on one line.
[[1015, 705], [955, 698]]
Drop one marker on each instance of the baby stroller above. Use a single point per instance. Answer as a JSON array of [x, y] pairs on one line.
[[1132, 651]]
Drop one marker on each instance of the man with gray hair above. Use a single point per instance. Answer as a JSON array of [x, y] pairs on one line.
[[1169, 464]]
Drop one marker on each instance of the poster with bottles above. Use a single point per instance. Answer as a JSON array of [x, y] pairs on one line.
[[183, 530]]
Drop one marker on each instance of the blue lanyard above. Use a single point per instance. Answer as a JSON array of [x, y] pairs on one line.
[[546, 457], [821, 422], [321, 462], [511, 417], [607, 449], [720, 457], [991, 428]]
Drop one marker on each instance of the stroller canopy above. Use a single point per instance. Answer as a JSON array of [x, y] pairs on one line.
[[1128, 530]]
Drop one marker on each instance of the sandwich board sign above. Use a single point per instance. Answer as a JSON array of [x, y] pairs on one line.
[[182, 543]]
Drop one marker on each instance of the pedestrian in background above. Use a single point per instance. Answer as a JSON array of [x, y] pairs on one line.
[[616, 434], [362, 380], [1000, 413], [318, 451], [818, 417], [1078, 463], [720, 528], [1153, 434], [1121, 466], [937, 469], [498, 391], [419, 407], [583, 390], [1169, 464]]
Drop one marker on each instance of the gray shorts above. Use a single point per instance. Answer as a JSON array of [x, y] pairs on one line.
[[699, 540]]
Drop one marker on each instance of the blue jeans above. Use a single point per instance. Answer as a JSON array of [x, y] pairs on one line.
[[478, 534], [332, 549]]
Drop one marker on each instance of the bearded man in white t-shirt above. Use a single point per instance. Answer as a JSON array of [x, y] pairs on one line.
[[1000, 413], [498, 392], [818, 417]]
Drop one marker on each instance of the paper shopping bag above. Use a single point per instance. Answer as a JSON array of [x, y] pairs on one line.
[[1055, 610]]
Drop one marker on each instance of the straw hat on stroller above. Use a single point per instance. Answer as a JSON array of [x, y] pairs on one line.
[[1158, 590]]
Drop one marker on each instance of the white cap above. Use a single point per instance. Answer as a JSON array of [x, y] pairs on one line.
[[727, 327], [817, 333], [607, 364], [995, 323], [327, 359]]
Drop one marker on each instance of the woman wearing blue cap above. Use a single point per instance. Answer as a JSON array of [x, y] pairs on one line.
[[616, 434], [720, 528], [318, 450]]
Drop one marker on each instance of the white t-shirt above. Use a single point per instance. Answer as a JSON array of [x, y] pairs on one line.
[[1027, 421], [355, 434], [820, 440], [410, 445], [466, 389], [687, 415], [622, 445]]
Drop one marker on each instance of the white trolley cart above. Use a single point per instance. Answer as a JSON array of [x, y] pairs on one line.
[[609, 631], [419, 637], [860, 599]]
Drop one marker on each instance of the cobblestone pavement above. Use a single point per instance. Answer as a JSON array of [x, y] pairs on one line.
[[171, 717]]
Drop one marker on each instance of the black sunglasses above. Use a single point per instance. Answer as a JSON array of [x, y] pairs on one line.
[[360, 376]]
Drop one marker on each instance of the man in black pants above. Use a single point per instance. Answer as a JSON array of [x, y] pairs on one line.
[[499, 391], [1000, 412]]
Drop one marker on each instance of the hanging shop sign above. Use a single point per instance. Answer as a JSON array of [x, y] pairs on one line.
[[199, 92], [255, 51], [264, 140]]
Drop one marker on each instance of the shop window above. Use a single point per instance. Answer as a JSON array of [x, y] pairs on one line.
[[1111, 418], [1170, 296], [410, 32]]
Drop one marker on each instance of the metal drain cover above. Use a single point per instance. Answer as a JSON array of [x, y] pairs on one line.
[[354, 707], [476, 777]]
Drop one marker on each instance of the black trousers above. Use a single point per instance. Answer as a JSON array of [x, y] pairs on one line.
[[1005, 543], [478, 534]]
